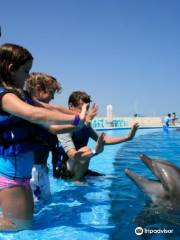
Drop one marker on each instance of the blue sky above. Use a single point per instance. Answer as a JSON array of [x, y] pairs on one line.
[[123, 52]]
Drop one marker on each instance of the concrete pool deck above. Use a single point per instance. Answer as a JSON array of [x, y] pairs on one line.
[[127, 122]]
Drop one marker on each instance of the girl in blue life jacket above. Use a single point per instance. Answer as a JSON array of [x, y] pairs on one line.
[[18, 119]]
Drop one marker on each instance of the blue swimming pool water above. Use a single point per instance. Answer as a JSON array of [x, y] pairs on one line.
[[106, 208]]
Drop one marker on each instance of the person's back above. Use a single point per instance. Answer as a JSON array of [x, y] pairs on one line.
[[166, 120]]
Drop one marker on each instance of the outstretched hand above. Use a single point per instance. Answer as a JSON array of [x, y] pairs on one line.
[[83, 113], [133, 131], [83, 153], [100, 143], [91, 114]]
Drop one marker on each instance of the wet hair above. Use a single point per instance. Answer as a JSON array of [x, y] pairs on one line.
[[15, 55], [169, 115], [46, 82], [77, 96]]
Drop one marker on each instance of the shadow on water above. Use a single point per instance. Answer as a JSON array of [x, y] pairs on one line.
[[130, 208], [68, 208], [76, 212]]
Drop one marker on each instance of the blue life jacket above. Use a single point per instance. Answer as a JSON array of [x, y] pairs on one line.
[[47, 139], [49, 142], [81, 137], [16, 134]]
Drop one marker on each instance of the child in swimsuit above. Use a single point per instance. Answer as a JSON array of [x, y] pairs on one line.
[[18, 138]]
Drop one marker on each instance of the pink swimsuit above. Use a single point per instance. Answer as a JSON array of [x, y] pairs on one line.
[[7, 183]]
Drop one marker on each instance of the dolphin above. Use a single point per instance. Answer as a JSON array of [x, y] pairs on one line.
[[166, 189]]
